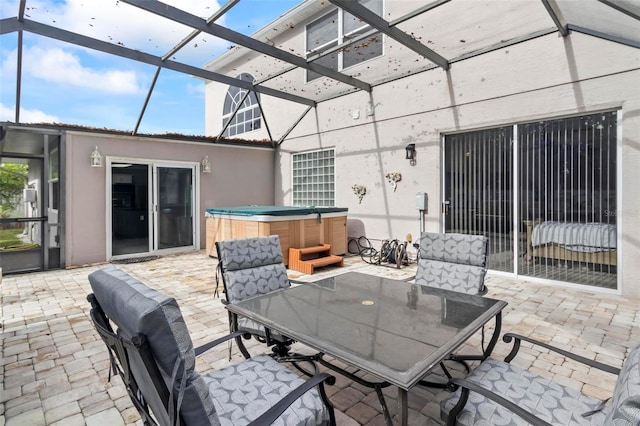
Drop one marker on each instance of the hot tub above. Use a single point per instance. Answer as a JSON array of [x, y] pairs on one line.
[[297, 227]]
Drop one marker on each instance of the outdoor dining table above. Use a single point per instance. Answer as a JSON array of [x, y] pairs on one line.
[[395, 330]]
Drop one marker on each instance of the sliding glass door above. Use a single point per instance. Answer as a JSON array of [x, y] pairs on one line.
[[152, 208], [567, 184], [478, 194], [174, 195], [543, 192], [130, 210]]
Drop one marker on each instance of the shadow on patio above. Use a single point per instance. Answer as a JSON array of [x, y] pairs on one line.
[[55, 367]]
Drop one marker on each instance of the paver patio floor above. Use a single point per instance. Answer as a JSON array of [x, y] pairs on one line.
[[54, 366]]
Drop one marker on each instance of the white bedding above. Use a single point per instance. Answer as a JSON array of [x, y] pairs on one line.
[[582, 237]]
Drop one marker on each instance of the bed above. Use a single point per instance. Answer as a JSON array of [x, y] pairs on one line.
[[593, 242]]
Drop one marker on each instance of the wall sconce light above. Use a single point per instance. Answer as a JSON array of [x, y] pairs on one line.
[[411, 153], [96, 158], [206, 165]]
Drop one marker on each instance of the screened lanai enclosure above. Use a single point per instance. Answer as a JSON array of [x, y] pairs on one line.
[[348, 33], [30, 203], [338, 88]]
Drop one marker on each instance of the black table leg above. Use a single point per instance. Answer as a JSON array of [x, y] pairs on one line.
[[403, 407]]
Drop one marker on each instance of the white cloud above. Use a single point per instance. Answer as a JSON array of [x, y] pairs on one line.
[[26, 115], [58, 66], [53, 64], [196, 89], [120, 23]]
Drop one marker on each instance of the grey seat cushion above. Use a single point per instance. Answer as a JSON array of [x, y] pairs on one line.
[[543, 397], [244, 391], [450, 276], [625, 410], [246, 283], [253, 267], [243, 253], [454, 248], [453, 262], [138, 309]]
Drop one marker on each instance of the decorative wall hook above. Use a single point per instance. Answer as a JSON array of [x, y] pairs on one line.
[[360, 191], [393, 178]]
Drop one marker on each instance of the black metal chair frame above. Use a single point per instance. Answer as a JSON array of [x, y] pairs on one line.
[[119, 349]]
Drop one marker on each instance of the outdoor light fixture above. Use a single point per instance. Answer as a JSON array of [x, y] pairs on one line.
[[206, 165], [411, 153], [96, 158]]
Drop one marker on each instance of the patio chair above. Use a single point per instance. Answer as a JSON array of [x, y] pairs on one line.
[[452, 261], [252, 267], [456, 262], [153, 353], [498, 392]]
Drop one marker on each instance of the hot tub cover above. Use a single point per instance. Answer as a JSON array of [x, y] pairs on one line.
[[274, 210]]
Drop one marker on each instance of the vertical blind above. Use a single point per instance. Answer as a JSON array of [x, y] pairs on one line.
[[565, 228], [567, 185], [478, 189]]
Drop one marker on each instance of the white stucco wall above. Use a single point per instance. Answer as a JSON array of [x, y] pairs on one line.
[[544, 78], [239, 176]]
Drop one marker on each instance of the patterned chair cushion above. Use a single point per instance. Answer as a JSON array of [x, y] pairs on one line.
[[246, 283], [543, 397], [453, 262], [454, 248], [252, 267], [450, 276], [243, 253], [625, 404], [244, 391], [138, 309]]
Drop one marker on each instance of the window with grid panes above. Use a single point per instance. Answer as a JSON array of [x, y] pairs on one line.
[[336, 28], [248, 117], [314, 178]]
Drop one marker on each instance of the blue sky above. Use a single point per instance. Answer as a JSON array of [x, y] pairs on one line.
[[67, 84]]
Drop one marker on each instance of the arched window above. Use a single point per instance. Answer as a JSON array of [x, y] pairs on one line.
[[248, 116]]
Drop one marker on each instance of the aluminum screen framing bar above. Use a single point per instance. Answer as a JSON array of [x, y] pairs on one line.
[[384, 27], [135, 55], [419, 11], [184, 18], [173, 51], [621, 8], [556, 16]]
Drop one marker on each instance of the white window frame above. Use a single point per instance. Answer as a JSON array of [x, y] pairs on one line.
[[339, 39], [232, 129]]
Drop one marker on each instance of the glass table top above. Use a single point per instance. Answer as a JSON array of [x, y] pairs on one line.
[[393, 329]]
